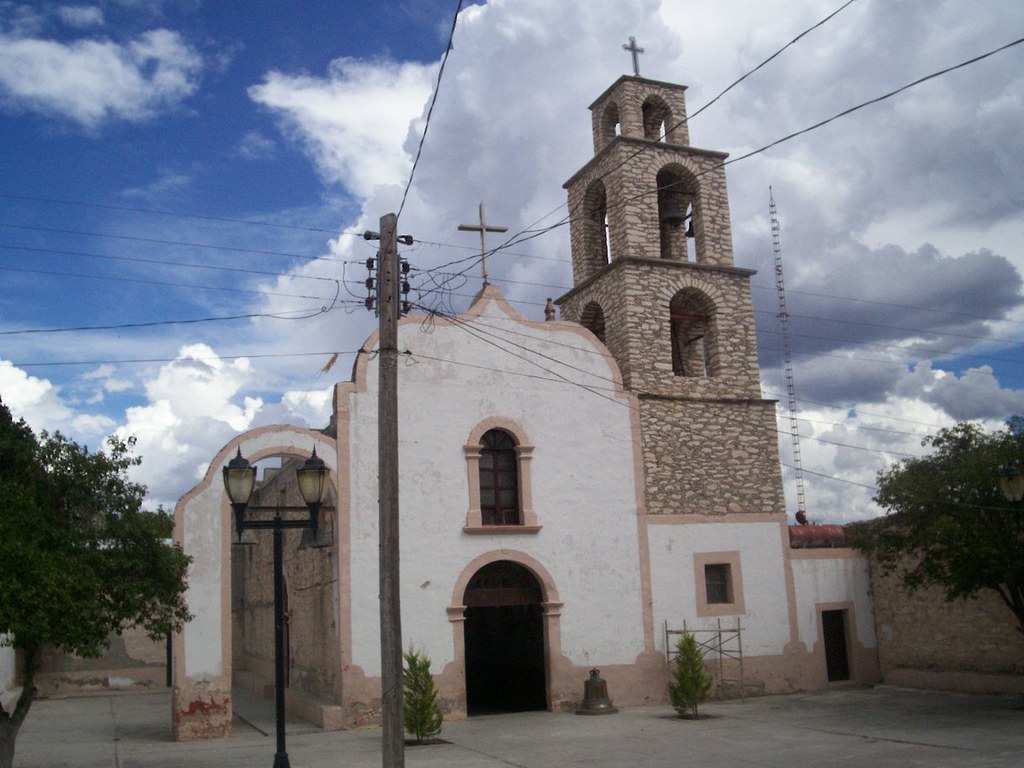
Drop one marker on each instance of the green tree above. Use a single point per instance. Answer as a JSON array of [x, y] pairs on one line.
[[689, 685], [422, 714], [79, 557], [947, 522]]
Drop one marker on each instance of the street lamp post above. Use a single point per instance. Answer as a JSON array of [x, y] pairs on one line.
[[239, 482]]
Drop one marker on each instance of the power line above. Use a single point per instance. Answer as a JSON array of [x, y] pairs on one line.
[[176, 214], [875, 302], [613, 385], [876, 100], [430, 109], [792, 42], [163, 283], [305, 315], [151, 360], [159, 241]]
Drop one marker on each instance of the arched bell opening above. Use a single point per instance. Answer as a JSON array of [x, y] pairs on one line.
[[504, 640], [657, 118], [694, 344], [611, 124], [677, 215]]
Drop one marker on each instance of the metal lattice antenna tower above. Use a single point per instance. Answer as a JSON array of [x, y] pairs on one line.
[[787, 355]]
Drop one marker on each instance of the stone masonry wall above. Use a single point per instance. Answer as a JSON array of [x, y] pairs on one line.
[[635, 296], [924, 640], [628, 95], [710, 458]]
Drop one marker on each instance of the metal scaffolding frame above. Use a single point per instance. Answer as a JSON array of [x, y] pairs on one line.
[[717, 646]]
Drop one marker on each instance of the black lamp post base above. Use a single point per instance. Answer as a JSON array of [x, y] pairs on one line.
[[281, 760]]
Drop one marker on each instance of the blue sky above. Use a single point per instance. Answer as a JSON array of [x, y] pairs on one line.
[[170, 162]]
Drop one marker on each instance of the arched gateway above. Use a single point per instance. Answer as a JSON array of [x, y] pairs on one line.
[[504, 636], [201, 698]]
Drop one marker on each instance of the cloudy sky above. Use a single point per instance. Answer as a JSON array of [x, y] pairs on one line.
[[182, 185]]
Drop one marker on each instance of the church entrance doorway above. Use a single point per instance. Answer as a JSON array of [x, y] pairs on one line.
[[504, 640]]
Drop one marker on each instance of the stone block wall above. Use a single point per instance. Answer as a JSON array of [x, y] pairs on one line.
[[710, 458], [636, 295], [627, 96], [924, 641]]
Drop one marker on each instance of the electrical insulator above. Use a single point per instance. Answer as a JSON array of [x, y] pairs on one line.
[[371, 263], [406, 306], [405, 267], [369, 302], [405, 286], [368, 235], [369, 283]]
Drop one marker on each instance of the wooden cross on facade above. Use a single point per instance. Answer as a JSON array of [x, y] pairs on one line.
[[483, 228], [634, 49]]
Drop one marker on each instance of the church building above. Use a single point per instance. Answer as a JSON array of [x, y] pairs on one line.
[[574, 493]]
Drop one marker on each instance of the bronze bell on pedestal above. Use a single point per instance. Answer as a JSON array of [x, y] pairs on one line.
[[595, 696]]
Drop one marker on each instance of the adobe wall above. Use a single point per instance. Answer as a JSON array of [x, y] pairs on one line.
[[131, 662], [967, 645], [313, 665]]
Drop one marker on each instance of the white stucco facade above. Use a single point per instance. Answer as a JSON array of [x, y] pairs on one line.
[[761, 599], [583, 480], [824, 579]]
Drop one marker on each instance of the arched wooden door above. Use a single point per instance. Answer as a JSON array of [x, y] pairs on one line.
[[504, 640]]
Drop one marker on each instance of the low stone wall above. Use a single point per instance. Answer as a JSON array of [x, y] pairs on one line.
[[132, 662], [970, 645]]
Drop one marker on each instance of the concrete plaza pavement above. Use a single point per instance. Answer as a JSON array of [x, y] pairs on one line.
[[876, 727]]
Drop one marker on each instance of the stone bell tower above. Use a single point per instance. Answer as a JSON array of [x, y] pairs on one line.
[[654, 279]]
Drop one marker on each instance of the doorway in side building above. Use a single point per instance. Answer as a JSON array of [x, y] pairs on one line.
[[504, 640], [837, 658]]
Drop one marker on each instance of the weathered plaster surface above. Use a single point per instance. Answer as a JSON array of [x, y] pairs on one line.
[[583, 480]]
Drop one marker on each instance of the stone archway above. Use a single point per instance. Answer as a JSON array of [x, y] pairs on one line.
[[202, 663], [504, 640]]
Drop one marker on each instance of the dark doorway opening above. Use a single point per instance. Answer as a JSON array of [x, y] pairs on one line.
[[504, 640], [837, 660]]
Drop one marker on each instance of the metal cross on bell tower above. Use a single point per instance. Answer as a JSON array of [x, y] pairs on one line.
[[636, 50]]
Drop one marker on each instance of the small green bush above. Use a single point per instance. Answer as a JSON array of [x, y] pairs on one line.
[[689, 685], [422, 714]]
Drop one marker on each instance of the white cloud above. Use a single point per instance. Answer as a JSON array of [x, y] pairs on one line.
[[40, 403], [35, 400], [81, 16], [353, 122], [255, 146], [91, 81]]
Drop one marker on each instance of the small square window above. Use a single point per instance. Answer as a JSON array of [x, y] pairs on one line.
[[718, 583]]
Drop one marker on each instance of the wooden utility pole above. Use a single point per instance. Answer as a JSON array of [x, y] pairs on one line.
[[393, 747]]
